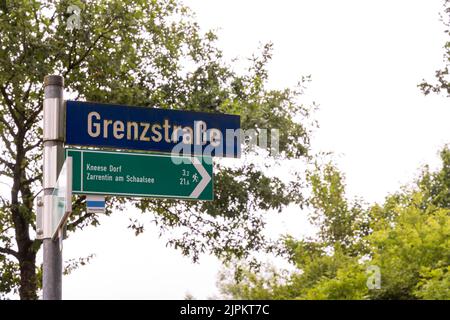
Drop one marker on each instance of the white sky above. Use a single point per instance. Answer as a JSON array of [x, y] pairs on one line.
[[366, 59]]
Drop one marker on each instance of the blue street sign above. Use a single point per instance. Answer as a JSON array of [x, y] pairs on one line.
[[152, 129]]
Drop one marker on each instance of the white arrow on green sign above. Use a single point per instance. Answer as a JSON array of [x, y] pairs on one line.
[[62, 198], [141, 175]]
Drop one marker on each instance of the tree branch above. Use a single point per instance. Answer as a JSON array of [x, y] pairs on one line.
[[7, 125], [7, 163], [33, 179], [73, 225], [4, 173], [80, 220], [9, 103], [35, 113], [32, 146], [7, 144], [72, 51], [26, 95]]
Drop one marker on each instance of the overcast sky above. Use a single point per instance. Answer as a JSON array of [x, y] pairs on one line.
[[365, 58]]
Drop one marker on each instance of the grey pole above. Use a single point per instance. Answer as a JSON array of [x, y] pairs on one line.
[[53, 161]]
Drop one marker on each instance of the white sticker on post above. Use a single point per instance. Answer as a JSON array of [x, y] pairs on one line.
[[95, 204]]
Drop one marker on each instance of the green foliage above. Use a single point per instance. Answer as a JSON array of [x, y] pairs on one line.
[[241, 283], [407, 238], [9, 278], [73, 264], [348, 283], [435, 186], [338, 220]]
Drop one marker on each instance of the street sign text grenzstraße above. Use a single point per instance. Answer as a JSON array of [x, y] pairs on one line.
[[141, 175], [152, 129]]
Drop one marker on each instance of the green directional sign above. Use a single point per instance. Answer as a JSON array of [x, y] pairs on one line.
[[141, 175]]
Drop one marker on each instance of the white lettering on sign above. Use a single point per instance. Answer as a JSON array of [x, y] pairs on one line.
[[152, 132], [135, 127], [142, 179], [156, 131], [96, 168], [99, 177], [144, 132]]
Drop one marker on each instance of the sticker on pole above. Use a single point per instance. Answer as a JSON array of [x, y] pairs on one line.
[[62, 198]]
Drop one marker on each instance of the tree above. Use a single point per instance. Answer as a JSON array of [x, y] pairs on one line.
[[442, 76], [411, 237], [407, 239], [148, 53], [327, 265], [340, 221]]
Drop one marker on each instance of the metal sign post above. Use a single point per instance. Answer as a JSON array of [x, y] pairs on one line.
[[131, 174], [95, 204], [53, 162], [152, 129], [62, 199], [94, 172]]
